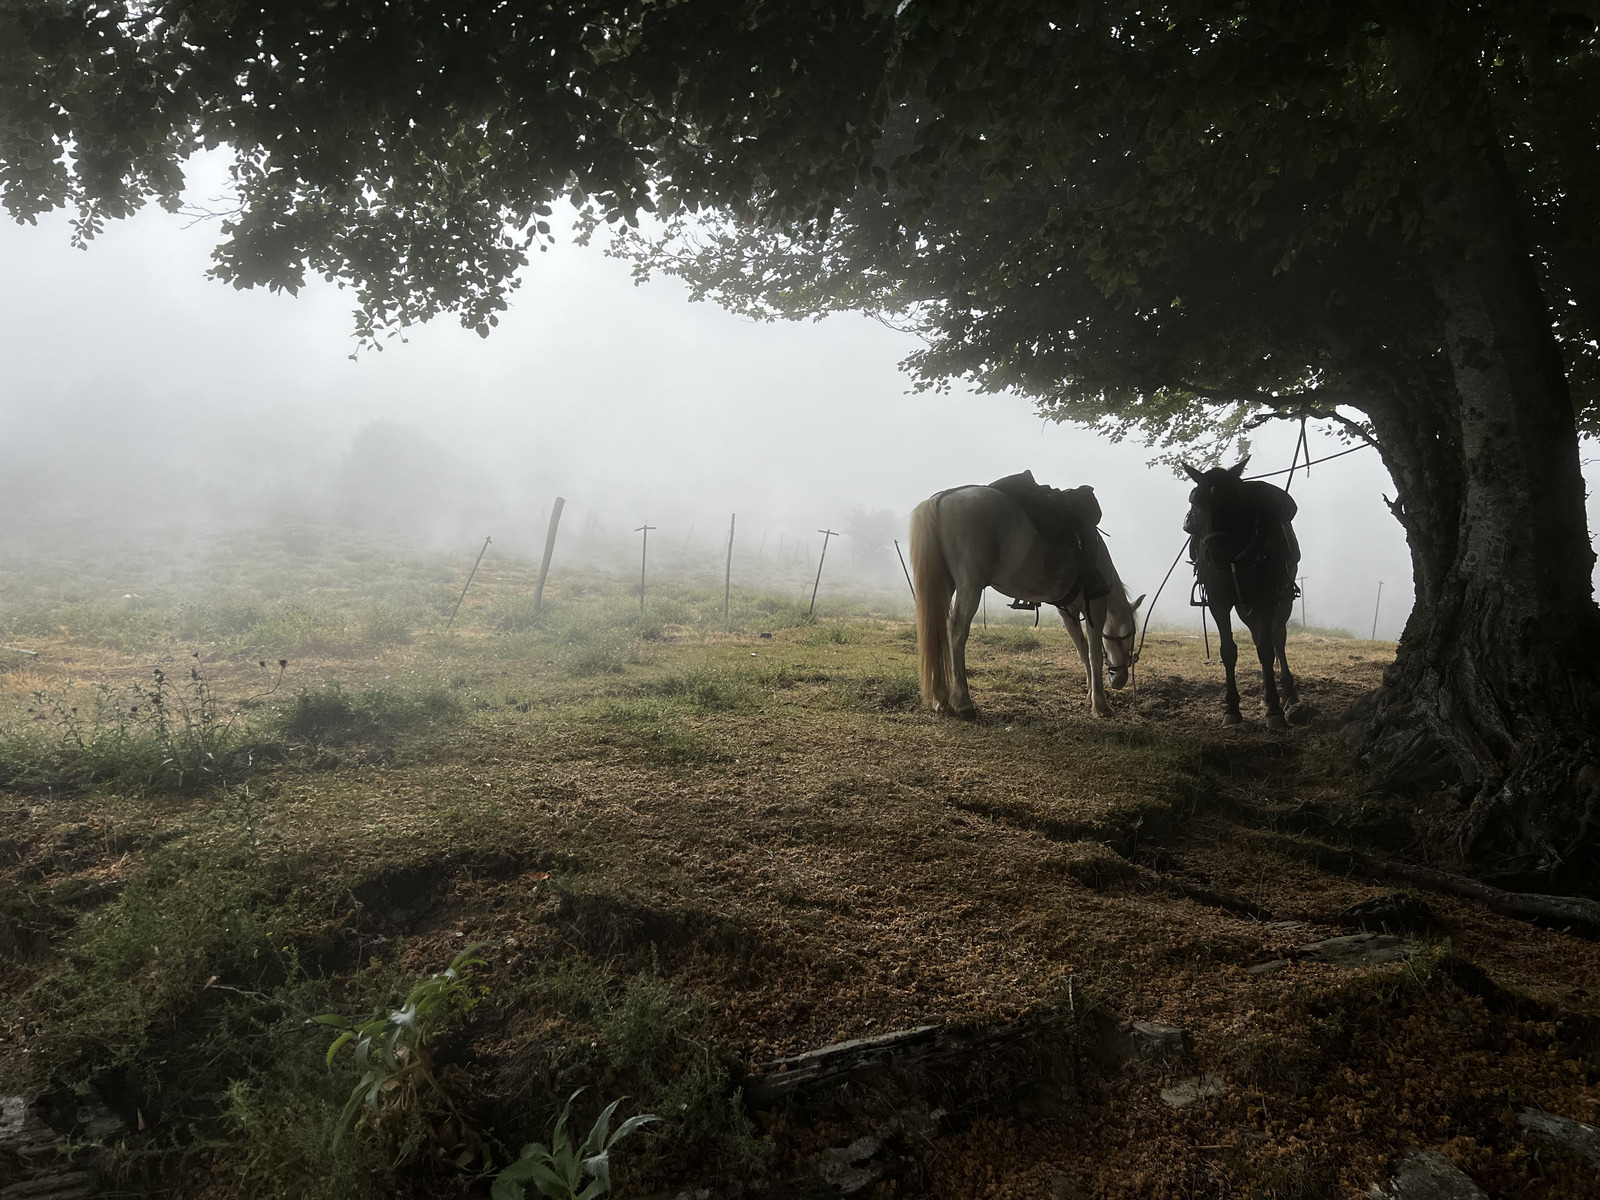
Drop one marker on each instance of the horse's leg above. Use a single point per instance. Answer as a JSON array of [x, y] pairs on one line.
[[1280, 637], [1262, 622], [1093, 622], [1069, 618], [962, 610], [1229, 650]]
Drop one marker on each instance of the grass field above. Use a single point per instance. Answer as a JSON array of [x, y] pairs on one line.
[[686, 847]]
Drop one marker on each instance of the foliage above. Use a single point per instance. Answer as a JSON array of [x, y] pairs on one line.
[[464, 127], [392, 1050], [331, 716], [1131, 212], [558, 1170], [656, 1041]]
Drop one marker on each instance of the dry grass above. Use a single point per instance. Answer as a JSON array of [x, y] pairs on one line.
[[750, 817]]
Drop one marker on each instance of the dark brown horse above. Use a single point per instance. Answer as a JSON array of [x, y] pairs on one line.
[[1245, 555]]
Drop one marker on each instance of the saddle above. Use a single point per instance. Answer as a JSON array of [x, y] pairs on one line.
[[1065, 522], [1275, 511]]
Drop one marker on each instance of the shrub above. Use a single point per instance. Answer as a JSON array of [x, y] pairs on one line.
[[331, 716]]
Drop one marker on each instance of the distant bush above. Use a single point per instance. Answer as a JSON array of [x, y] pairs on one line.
[[331, 716]]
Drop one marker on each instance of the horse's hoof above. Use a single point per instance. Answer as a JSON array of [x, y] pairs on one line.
[[1232, 718], [1276, 721], [969, 713]]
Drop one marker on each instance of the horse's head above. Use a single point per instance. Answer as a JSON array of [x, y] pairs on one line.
[[1219, 511], [1117, 632]]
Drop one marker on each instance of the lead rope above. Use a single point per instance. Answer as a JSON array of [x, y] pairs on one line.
[[1150, 612], [1294, 463]]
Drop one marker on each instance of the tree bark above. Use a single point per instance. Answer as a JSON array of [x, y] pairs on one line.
[[1497, 681]]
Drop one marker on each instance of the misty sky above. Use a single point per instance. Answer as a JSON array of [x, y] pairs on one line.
[[129, 381]]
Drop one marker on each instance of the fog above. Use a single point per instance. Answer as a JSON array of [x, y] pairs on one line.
[[140, 401]]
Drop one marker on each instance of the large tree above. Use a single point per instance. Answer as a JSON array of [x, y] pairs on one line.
[[1171, 218]]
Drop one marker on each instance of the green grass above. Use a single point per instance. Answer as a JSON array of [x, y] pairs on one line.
[[707, 689], [1008, 637]]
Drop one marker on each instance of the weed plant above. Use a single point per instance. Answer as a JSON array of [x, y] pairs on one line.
[[568, 1170], [884, 691], [1022, 639], [657, 729], [145, 738], [652, 1040]]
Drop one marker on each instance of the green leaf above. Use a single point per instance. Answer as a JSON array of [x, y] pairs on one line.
[[629, 1126], [344, 1037], [596, 1142]]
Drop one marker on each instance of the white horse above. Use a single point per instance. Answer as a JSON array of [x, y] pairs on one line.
[[969, 538]]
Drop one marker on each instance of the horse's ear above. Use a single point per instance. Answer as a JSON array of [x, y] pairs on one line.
[[1137, 602], [1238, 468], [1193, 474]]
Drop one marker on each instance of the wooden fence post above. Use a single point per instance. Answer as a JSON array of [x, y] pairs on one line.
[[549, 549], [826, 534], [727, 574], [468, 583], [644, 550]]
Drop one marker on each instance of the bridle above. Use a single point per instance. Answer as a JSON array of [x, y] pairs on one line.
[[1130, 637], [1132, 652]]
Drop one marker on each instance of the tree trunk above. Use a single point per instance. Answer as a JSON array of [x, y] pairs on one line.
[[1498, 675]]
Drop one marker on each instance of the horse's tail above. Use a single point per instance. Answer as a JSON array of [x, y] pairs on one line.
[[935, 587]]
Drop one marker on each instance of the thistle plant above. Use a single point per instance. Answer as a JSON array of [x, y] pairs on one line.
[[558, 1171], [392, 1050]]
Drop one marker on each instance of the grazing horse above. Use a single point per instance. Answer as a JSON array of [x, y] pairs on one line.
[[969, 538], [1245, 555]]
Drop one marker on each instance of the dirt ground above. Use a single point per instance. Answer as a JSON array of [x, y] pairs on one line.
[[771, 821]]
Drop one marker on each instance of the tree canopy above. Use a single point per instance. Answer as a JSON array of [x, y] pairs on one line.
[[1232, 222], [1115, 208]]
